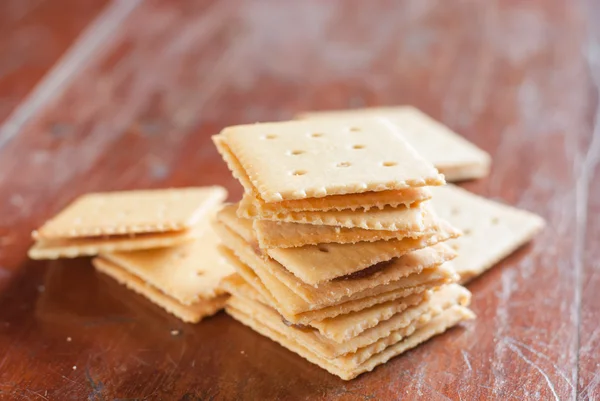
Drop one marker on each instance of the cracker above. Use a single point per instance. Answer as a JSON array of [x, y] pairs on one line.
[[293, 307], [316, 159], [273, 234], [454, 156], [77, 247], [345, 327], [389, 218], [188, 272], [492, 230], [261, 294], [251, 206], [330, 291], [132, 212], [368, 342], [436, 326], [341, 259], [192, 313]]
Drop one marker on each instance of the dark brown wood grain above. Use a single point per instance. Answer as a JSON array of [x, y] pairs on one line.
[[519, 79]]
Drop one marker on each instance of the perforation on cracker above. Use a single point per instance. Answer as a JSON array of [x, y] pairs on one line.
[[328, 164]]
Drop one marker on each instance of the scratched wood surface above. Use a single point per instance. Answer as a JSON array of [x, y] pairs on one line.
[[133, 102]]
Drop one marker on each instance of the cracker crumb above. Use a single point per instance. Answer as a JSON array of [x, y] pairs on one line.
[[69, 339], [243, 352], [74, 367], [41, 288], [175, 332]]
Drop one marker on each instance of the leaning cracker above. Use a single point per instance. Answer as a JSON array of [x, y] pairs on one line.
[[374, 276], [251, 206], [275, 234], [492, 230], [132, 212], [317, 159], [454, 156], [436, 326], [341, 259], [345, 327], [188, 272], [191, 313], [368, 342], [294, 308]]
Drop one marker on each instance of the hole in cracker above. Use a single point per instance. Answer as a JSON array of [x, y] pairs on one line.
[[343, 164], [296, 152], [389, 164], [358, 147], [354, 129], [316, 134], [299, 172], [323, 248], [455, 211], [495, 220], [454, 246], [270, 136], [200, 273], [467, 231]]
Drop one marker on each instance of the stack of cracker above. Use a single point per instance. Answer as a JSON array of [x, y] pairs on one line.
[[158, 243], [339, 255]]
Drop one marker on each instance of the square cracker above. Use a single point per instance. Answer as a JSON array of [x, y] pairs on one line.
[[187, 273], [76, 247], [492, 230], [454, 156], [276, 234], [191, 313], [251, 206], [319, 158], [410, 264], [369, 341], [388, 218], [296, 309], [340, 259], [436, 326], [132, 212]]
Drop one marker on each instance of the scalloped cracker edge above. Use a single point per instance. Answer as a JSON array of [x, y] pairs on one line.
[[319, 158]]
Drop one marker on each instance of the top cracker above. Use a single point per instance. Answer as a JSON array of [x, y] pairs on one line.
[[132, 212], [313, 159]]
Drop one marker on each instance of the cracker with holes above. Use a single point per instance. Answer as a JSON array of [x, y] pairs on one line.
[[492, 231], [126, 221], [184, 280], [454, 156], [315, 159]]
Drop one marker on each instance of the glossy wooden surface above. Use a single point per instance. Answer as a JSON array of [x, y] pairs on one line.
[[153, 80]]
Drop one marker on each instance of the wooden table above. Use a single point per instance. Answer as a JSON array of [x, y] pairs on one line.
[[99, 95]]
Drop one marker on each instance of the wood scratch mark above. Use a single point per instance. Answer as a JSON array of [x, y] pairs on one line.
[[516, 350], [36, 393], [539, 354], [74, 60], [172, 361], [466, 358]]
